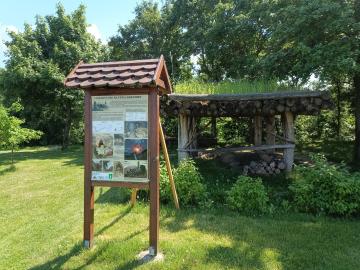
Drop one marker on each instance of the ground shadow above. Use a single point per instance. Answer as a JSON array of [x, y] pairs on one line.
[[113, 195], [74, 154], [8, 169]]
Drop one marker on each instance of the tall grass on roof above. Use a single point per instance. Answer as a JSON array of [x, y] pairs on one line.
[[232, 87]]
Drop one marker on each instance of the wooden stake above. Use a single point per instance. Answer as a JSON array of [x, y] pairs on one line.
[[133, 196], [168, 166]]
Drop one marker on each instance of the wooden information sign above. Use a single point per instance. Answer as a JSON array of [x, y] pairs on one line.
[[121, 131]]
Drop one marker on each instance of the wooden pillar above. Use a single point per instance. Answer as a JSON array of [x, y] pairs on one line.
[[88, 188], [187, 137], [289, 134], [270, 132], [257, 130], [154, 175], [213, 127]]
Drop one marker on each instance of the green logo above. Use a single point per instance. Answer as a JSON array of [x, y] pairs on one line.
[[110, 176]]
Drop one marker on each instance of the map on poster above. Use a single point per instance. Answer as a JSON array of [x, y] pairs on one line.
[[120, 138]]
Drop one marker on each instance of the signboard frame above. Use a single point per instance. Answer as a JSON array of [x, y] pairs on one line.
[[153, 162]]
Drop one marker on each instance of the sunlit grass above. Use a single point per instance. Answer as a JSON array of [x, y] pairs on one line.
[[232, 87], [41, 219]]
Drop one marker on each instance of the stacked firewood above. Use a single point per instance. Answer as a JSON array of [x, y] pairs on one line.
[[264, 168], [310, 105]]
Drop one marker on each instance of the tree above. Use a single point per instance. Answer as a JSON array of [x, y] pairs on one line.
[[39, 59], [12, 134]]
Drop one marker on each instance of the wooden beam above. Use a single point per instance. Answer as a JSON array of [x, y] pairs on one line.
[[270, 131], [289, 133], [187, 137], [168, 166], [257, 130], [239, 97], [243, 148]]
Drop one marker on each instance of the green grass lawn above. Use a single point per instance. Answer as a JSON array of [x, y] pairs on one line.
[[41, 227], [232, 87]]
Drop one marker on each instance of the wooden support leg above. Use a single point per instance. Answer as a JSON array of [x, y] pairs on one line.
[[133, 196], [154, 175], [289, 134], [168, 166], [213, 127], [88, 188], [257, 130], [186, 135], [270, 132]]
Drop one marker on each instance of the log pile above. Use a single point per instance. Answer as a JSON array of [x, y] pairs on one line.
[[275, 166], [307, 103]]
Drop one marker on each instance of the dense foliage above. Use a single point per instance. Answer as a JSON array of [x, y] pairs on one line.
[[189, 185], [39, 59], [12, 134], [248, 196], [326, 188]]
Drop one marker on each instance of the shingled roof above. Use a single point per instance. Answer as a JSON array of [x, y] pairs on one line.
[[121, 74]]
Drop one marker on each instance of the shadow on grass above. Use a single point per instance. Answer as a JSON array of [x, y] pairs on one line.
[[10, 168], [58, 262], [74, 154], [113, 195]]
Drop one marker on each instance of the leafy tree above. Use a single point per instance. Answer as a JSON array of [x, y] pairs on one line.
[[39, 59], [12, 134], [151, 33]]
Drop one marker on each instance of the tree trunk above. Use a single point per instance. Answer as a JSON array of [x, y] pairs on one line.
[[357, 118], [338, 109]]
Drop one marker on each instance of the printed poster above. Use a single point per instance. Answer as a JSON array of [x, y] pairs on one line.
[[120, 138]]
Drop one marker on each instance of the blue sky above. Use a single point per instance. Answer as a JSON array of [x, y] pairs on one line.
[[104, 16]]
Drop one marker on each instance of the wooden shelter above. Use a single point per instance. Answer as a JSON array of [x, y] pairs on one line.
[[263, 108], [112, 94]]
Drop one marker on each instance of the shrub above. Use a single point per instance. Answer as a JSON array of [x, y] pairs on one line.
[[189, 184], [326, 188], [248, 195]]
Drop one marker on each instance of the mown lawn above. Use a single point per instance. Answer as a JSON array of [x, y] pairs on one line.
[[41, 227]]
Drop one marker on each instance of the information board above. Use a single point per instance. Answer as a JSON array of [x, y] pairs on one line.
[[120, 138]]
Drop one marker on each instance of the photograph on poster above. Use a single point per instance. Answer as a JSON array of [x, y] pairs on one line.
[[102, 145], [135, 169], [118, 169], [118, 140], [96, 165], [100, 105], [136, 149], [107, 165], [136, 129]]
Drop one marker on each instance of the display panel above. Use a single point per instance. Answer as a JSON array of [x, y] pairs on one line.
[[120, 138]]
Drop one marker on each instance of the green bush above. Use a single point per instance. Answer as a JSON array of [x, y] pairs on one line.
[[189, 184], [248, 195], [326, 188]]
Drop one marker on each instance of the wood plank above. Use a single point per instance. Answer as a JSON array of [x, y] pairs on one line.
[[168, 167], [138, 185], [133, 196], [242, 148], [270, 132]]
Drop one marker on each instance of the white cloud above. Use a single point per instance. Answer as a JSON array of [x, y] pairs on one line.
[[94, 30]]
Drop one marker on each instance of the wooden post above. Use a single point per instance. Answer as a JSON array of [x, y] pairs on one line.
[[186, 135], [257, 130], [168, 166], [270, 132], [213, 127], [88, 188], [289, 134], [154, 176], [133, 197]]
